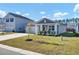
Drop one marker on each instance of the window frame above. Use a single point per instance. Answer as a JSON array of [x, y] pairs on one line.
[[7, 20], [11, 19], [53, 27]]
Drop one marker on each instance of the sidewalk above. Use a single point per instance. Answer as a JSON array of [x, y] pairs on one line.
[[8, 50], [11, 36]]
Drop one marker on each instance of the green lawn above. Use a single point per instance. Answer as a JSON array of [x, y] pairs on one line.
[[46, 44], [5, 33]]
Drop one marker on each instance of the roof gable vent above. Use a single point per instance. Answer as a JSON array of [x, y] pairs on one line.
[[44, 21]]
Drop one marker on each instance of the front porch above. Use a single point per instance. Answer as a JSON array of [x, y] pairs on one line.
[[46, 29]]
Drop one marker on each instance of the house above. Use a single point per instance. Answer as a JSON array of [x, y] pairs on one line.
[[48, 25], [15, 22], [2, 25], [73, 25]]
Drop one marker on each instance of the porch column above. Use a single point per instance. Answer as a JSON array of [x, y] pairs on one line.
[[77, 25], [55, 29], [41, 27], [47, 27], [36, 29]]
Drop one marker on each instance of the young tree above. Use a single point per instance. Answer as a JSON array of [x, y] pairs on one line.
[[29, 31]]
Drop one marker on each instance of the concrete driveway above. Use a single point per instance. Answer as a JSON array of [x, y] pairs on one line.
[[8, 50], [3, 50], [10, 36]]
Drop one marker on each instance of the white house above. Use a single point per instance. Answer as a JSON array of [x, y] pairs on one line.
[[47, 25], [15, 22]]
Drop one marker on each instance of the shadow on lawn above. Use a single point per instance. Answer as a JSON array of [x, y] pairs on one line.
[[42, 42]]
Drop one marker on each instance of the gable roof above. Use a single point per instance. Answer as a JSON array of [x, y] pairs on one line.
[[16, 15], [45, 20]]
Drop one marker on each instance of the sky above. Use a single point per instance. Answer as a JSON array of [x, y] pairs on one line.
[[36, 11]]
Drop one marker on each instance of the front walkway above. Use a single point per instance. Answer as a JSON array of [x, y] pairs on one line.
[[11, 36]]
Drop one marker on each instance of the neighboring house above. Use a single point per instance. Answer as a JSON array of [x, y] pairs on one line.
[[73, 25], [15, 22], [2, 25], [48, 25]]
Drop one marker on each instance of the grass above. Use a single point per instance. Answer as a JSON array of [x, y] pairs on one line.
[[50, 45], [6, 33]]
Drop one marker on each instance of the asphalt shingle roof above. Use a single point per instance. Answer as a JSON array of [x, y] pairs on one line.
[[45, 20], [16, 15]]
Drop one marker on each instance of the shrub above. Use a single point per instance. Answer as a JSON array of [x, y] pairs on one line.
[[44, 33], [29, 39], [70, 34], [13, 31], [50, 33], [40, 33], [3, 33], [77, 34]]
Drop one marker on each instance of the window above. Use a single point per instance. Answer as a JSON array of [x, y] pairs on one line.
[[49, 27], [11, 19], [7, 20], [44, 21], [52, 27], [43, 28]]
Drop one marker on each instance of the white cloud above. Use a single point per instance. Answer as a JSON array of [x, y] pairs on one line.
[[59, 15], [45, 16], [18, 12], [27, 14], [2, 13], [42, 12], [76, 16], [76, 8]]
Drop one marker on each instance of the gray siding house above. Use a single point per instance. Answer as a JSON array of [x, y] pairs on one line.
[[15, 22]]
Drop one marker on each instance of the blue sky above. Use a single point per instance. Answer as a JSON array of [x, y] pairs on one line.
[[36, 11]]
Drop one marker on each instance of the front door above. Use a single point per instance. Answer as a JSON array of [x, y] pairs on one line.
[[44, 27]]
